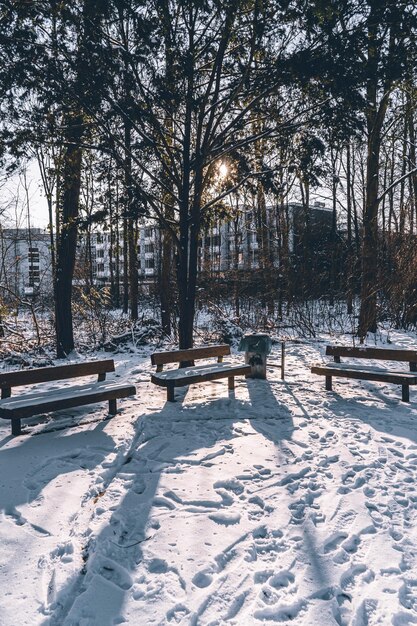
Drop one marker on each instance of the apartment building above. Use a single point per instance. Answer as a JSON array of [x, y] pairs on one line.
[[103, 257], [234, 244], [227, 245], [25, 266]]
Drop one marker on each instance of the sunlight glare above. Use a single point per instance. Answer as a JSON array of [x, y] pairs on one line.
[[223, 170]]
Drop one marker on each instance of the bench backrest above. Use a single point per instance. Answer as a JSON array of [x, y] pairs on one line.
[[384, 354], [177, 356], [59, 372]]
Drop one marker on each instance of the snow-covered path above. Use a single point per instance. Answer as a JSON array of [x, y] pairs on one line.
[[278, 502]]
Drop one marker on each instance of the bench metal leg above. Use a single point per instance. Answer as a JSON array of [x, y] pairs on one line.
[[113, 407], [328, 383], [171, 393], [406, 393], [231, 380], [16, 427]]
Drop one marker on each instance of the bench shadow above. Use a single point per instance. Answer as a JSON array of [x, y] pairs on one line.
[[261, 393], [268, 410], [353, 398], [25, 473], [393, 418], [389, 415], [169, 441], [21, 482], [131, 522]]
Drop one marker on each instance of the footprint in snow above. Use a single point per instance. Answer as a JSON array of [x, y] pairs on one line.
[[268, 596], [266, 545], [48, 565], [365, 612], [177, 614], [408, 595], [328, 437], [351, 544], [281, 613], [232, 484], [334, 541], [276, 580], [261, 577], [396, 534], [259, 509], [113, 572], [348, 579], [48, 591], [284, 578], [63, 552], [202, 579], [225, 518], [15, 516], [158, 566], [403, 619]]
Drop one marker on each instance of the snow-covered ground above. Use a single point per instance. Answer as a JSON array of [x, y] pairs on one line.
[[278, 502]]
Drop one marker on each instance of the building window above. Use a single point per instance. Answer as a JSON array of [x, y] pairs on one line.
[[100, 267], [212, 241], [100, 254], [149, 264], [33, 255], [148, 232], [149, 247], [34, 278]]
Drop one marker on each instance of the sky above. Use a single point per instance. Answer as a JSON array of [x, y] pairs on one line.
[[25, 189], [17, 193]]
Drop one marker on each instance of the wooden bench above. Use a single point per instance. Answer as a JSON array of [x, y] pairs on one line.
[[45, 401], [194, 374], [405, 379]]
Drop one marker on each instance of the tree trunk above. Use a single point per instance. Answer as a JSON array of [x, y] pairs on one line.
[[413, 160], [67, 239], [112, 239], [165, 281], [133, 269], [349, 259], [166, 264], [332, 277], [69, 176], [375, 115]]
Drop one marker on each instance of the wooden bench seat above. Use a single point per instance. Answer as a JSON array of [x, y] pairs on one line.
[[377, 374], [191, 374], [379, 354], [39, 400]]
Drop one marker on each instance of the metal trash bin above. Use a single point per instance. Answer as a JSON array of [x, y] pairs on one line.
[[256, 348]]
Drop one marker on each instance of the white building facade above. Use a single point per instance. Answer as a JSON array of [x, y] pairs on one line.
[[26, 267]]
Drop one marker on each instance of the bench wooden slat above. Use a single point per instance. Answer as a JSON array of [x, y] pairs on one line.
[[176, 356], [195, 374], [385, 354], [400, 378], [37, 403], [178, 378], [59, 372], [45, 401]]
